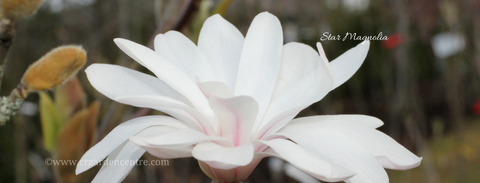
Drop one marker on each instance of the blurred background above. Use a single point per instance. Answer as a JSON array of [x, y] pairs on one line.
[[422, 81]]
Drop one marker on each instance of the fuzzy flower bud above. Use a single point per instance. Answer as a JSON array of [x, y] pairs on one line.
[[54, 68], [19, 8]]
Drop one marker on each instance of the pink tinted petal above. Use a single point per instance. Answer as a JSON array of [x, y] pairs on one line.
[[236, 115]]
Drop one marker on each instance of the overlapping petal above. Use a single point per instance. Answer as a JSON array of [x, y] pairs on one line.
[[260, 61], [125, 155], [215, 88], [191, 117], [184, 54], [306, 161], [299, 88], [359, 128], [354, 145], [168, 73]]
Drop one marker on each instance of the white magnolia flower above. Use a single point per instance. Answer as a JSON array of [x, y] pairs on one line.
[[232, 101]]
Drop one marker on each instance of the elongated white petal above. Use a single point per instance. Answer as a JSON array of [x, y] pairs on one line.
[[221, 157], [348, 63], [236, 115], [302, 92], [184, 137], [123, 160], [221, 43], [260, 61], [307, 161], [119, 135], [167, 72], [184, 54], [115, 81], [159, 103]]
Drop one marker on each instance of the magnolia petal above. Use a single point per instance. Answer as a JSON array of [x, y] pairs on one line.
[[184, 54], [115, 81], [260, 61], [307, 161], [344, 152], [167, 72], [298, 60], [237, 116], [215, 88], [348, 63], [184, 137], [221, 43], [126, 156], [158, 102], [119, 135], [220, 157]]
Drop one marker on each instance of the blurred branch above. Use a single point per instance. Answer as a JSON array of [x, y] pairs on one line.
[[187, 13], [7, 33], [222, 7]]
